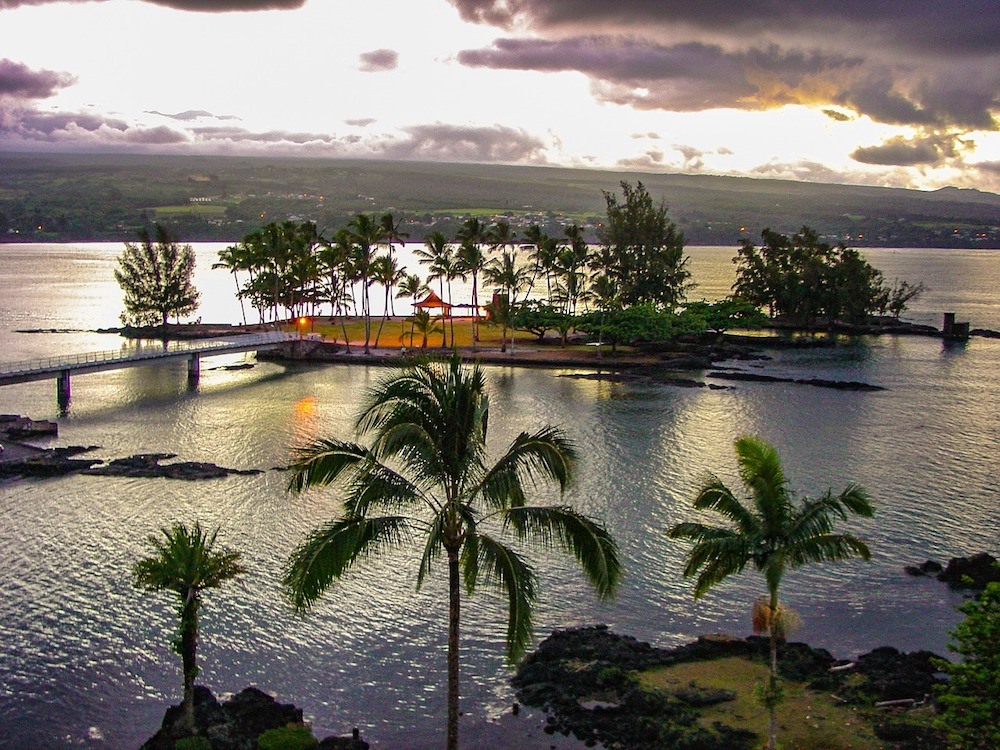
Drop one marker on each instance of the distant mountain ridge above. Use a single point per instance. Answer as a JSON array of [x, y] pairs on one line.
[[53, 197]]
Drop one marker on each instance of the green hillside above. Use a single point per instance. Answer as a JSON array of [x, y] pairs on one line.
[[105, 197]]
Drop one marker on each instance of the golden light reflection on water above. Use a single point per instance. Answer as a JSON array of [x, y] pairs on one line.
[[305, 420]]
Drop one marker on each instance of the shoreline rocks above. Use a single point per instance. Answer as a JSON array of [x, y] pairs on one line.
[[973, 572], [584, 678], [237, 723]]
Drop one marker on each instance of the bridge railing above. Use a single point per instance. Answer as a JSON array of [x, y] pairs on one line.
[[132, 354]]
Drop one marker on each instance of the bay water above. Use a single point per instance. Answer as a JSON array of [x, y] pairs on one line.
[[86, 661]]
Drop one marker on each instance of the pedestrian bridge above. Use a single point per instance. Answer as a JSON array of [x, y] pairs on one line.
[[61, 368]]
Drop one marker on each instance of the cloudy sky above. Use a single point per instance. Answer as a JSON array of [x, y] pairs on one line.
[[889, 92]]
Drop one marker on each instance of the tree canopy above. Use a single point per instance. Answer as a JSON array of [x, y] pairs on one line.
[[642, 250], [156, 278], [803, 279], [969, 704]]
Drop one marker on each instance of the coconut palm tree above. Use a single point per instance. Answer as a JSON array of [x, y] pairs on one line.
[[772, 532], [426, 325], [385, 271], [186, 562], [439, 257], [412, 286], [472, 260], [505, 272], [428, 471], [366, 234], [232, 259]]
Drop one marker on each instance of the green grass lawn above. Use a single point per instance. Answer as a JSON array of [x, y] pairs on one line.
[[807, 719], [192, 209]]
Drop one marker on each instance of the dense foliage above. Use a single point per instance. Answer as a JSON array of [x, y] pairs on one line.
[[803, 280], [156, 279], [642, 252], [969, 705]]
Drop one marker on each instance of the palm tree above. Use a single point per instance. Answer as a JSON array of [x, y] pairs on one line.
[[232, 259], [366, 234], [472, 259], [773, 533], [427, 468], [439, 257], [186, 562], [423, 323], [385, 271], [505, 273], [412, 286]]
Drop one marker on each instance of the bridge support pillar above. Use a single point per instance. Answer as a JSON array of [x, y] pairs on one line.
[[194, 370], [63, 389]]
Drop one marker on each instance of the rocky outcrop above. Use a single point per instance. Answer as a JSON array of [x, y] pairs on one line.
[[585, 679], [49, 462], [237, 723], [973, 572], [147, 465], [754, 377]]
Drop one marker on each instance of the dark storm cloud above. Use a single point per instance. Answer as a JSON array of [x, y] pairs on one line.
[[378, 60], [682, 77], [191, 115], [970, 26], [207, 6], [933, 149], [442, 142], [922, 62], [18, 81]]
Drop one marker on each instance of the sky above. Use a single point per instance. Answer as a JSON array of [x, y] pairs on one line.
[[902, 93]]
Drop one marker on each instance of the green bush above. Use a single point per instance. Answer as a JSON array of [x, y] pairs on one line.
[[193, 743], [287, 738]]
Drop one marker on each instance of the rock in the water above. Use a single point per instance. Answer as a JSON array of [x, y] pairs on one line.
[[971, 572], [926, 568], [149, 465], [237, 723]]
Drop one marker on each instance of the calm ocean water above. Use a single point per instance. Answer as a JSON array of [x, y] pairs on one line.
[[86, 660]]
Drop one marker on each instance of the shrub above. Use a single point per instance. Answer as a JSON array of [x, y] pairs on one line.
[[193, 743], [287, 738]]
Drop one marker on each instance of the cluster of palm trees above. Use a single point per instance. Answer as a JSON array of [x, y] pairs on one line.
[[291, 269], [424, 478]]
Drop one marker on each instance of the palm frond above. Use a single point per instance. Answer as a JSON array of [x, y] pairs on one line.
[[433, 546], [715, 496], [502, 568], [588, 541], [828, 548], [185, 560], [376, 485], [323, 462], [544, 455], [330, 551]]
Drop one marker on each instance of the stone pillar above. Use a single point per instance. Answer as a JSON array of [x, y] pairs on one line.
[[194, 369], [63, 390]]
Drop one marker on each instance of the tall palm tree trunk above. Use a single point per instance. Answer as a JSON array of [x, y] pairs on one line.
[[454, 611], [189, 658], [772, 729], [239, 296]]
